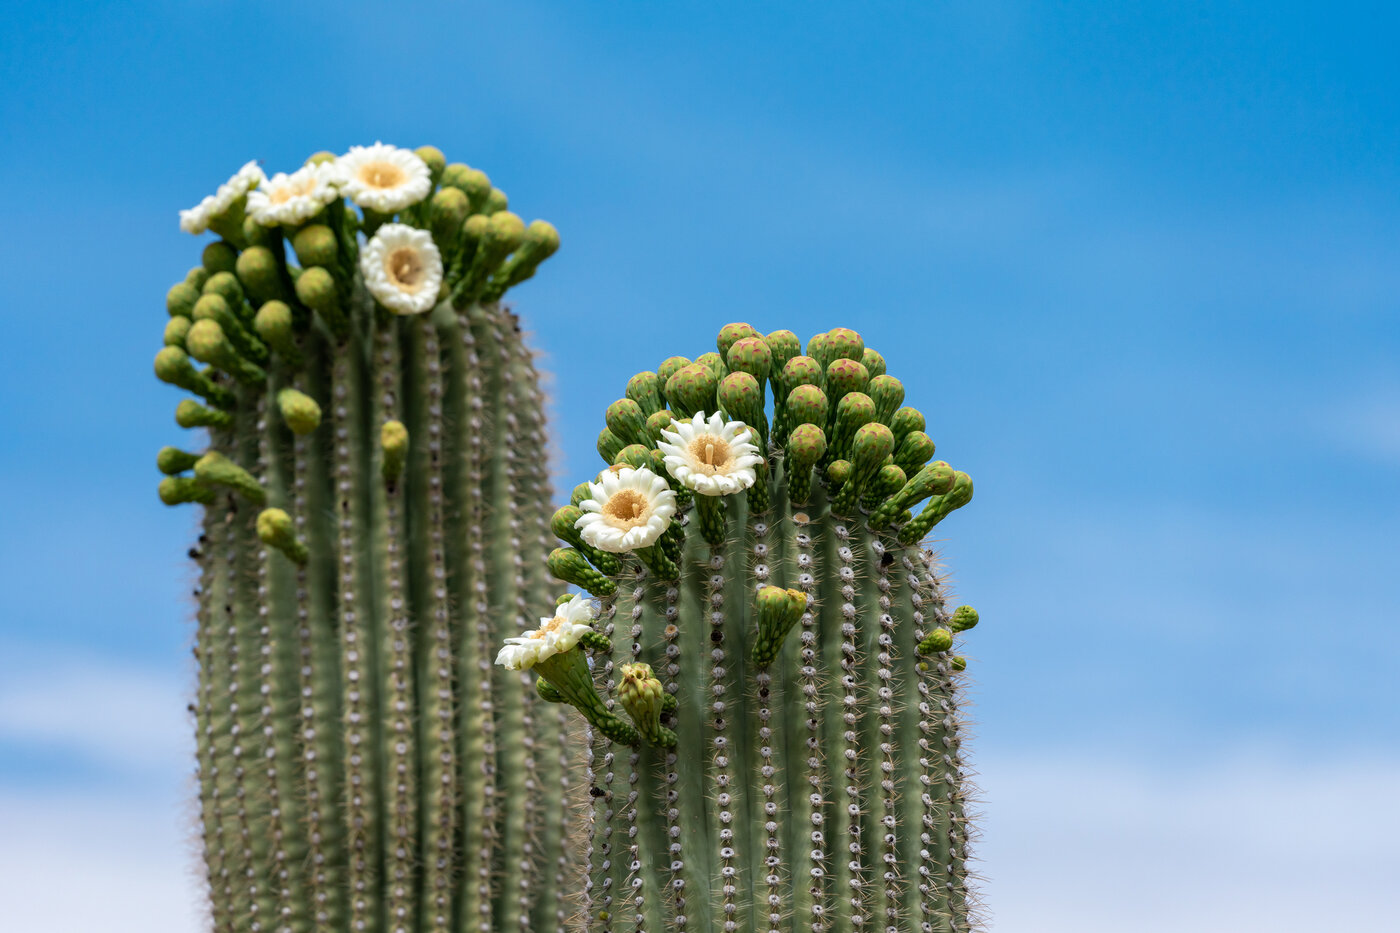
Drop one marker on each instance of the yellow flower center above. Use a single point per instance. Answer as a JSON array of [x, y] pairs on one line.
[[382, 175], [627, 509], [549, 628], [710, 454], [286, 191], [405, 269]]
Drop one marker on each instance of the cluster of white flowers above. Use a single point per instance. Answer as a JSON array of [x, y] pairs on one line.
[[380, 178], [572, 620], [197, 218]]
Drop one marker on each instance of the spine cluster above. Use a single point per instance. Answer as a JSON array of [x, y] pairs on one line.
[[375, 502]]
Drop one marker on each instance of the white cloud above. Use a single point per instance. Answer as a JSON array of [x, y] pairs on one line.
[[1277, 845], [78, 863], [123, 718]]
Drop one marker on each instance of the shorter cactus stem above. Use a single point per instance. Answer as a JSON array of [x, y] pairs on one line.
[[568, 673]]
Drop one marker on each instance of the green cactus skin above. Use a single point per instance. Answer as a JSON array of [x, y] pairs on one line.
[[362, 765], [823, 791]]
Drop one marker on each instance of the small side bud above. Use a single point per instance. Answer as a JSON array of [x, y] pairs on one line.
[[645, 389], [874, 363], [936, 642], [609, 446], [208, 343], [692, 389], [300, 411], [179, 301], [778, 610], [276, 325], [642, 696], [173, 460], [433, 158], [657, 422], [905, 420], [569, 565], [315, 245], [627, 423], [177, 490], [964, 618], [173, 366], [219, 256], [275, 528], [888, 394], [393, 441], [176, 329], [668, 368], [260, 274], [731, 334], [219, 470], [191, 414], [806, 404]]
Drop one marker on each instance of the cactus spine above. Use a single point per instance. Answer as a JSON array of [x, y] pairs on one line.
[[376, 518], [774, 701]]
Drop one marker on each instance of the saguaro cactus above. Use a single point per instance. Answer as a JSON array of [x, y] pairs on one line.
[[376, 518], [768, 671]]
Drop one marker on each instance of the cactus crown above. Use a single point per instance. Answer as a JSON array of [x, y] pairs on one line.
[[769, 679], [376, 517]]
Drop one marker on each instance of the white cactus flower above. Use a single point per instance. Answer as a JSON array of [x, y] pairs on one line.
[[402, 268], [626, 509], [294, 198], [714, 457], [197, 218], [383, 178], [572, 620]]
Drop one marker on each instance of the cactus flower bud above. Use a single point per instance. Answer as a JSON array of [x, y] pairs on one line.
[[276, 530], [936, 642], [218, 470], [964, 618], [315, 245], [731, 334], [888, 394], [642, 696], [645, 389], [393, 441], [173, 366], [778, 611], [179, 301], [668, 368], [172, 460], [176, 490]]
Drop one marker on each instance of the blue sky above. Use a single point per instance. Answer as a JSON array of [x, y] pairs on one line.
[[1139, 264]]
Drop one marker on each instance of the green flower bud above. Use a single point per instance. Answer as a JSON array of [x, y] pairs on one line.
[[751, 355], [914, 451], [843, 376], [275, 324], [783, 345], [218, 470], [844, 343], [448, 209], [854, 409], [496, 202], [888, 393], [315, 245], [173, 366], [778, 611], [874, 363], [581, 492], [741, 396], [276, 530], [645, 389], [433, 158], [636, 456], [320, 158], [806, 404], [207, 343], [219, 256], [803, 371], [472, 182], [869, 448], [609, 446], [668, 368], [227, 287], [569, 565], [692, 389], [627, 423], [191, 414], [197, 276], [255, 234], [316, 289], [260, 274], [541, 241], [936, 642], [816, 349], [179, 301], [299, 410], [905, 420], [838, 472], [731, 334], [643, 697], [175, 490], [938, 509], [889, 480], [657, 422], [393, 442], [806, 445], [175, 331], [964, 618], [715, 362], [172, 460], [564, 524], [958, 663]]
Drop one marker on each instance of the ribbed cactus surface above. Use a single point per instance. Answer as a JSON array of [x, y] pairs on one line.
[[768, 668], [376, 508]]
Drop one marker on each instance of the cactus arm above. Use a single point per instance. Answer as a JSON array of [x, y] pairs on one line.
[[277, 686], [213, 574], [503, 544], [476, 733], [392, 555], [350, 468]]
